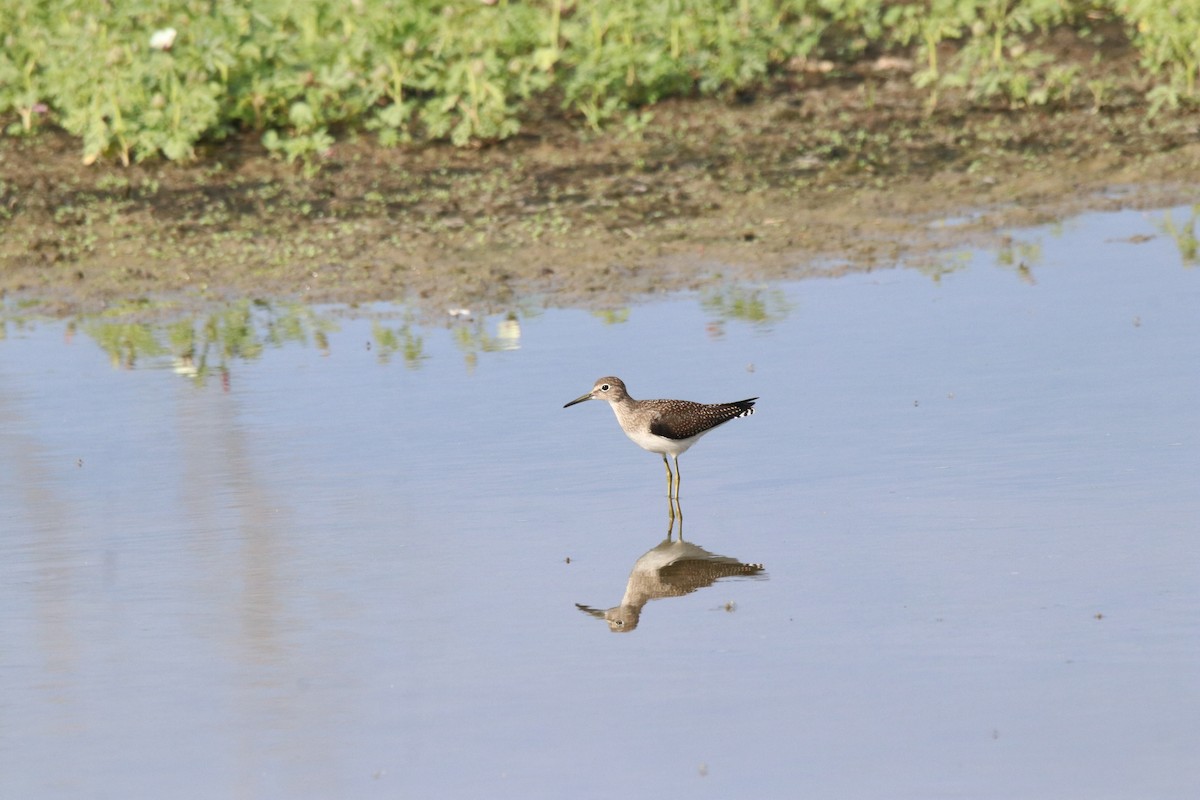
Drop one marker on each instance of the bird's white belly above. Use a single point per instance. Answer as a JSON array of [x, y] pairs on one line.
[[661, 444]]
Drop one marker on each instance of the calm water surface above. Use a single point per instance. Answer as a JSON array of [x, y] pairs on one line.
[[373, 559]]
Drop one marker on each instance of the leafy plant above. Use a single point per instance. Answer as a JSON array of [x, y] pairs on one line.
[[1167, 34], [141, 78]]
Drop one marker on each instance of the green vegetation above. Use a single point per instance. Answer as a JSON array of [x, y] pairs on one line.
[[141, 78]]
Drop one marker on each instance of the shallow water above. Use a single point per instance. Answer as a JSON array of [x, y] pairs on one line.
[[346, 557]]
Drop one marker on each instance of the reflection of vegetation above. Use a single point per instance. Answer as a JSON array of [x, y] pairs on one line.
[[1015, 253], [149, 333], [756, 306], [939, 266], [1184, 236], [125, 342], [201, 345], [1020, 257], [401, 340], [472, 338], [612, 316]]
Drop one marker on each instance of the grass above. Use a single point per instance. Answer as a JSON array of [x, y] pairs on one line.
[[138, 79]]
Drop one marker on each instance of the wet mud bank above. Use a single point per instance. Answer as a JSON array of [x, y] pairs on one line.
[[802, 180]]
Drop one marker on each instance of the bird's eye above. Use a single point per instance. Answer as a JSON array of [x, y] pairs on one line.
[[604, 387]]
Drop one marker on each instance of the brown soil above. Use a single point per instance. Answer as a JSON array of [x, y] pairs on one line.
[[823, 173]]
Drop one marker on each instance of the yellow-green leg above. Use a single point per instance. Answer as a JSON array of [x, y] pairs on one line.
[[670, 478], [677, 510]]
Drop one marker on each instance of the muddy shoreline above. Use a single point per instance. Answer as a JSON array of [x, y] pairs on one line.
[[840, 176]]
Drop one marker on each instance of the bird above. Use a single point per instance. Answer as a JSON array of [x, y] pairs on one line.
[[672, 569], [667, 427]]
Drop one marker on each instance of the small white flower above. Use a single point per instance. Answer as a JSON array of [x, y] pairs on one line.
[[163, 39]]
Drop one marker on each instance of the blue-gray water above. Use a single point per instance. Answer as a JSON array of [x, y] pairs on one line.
[[334, 572]]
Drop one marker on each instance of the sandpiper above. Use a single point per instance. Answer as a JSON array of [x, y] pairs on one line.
[[668, 427]]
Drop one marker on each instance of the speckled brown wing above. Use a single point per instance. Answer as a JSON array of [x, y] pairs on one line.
[[681, 419]]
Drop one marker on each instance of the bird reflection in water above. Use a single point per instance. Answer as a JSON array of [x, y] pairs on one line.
[[673, 568]]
